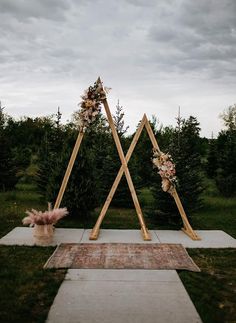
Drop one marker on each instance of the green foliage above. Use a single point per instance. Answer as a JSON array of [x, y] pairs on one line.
[[80, 194], [43, 145], [211, 165], [222, 155], [229, 117], [184, 147], [226, 171], [142, 156], [8, 167], [119, 122], [112, 164]]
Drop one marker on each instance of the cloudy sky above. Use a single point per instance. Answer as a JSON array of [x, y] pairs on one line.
[[156, 55]]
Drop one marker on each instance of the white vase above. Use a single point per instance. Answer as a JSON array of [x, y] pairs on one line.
[[43, 234]]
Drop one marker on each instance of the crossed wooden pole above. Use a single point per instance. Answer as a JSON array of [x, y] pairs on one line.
[[123, 170]]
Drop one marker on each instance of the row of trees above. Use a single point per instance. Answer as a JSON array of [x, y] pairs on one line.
[[37, 150]]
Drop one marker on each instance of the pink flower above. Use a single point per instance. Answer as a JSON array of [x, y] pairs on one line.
[[165, 166]]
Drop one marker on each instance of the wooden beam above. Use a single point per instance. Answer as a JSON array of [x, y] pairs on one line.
[[95, 231], [68, 170], [144, 230], [151, 134], [187, 227]]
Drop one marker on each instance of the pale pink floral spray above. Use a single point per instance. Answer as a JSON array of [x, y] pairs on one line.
[[47, 217]]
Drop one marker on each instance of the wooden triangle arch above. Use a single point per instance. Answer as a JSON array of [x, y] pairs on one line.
[[123, 169]]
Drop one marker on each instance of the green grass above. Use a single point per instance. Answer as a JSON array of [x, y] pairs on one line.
[[218, 213], [213, 291], [14, 204], [29, 290]]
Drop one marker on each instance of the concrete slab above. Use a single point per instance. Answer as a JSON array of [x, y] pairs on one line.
[[24, 236], [210, 239], [117, 296], [119, 236], [122, 275]]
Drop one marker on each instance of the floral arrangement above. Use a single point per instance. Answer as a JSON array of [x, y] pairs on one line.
[[91, 104], [47, 217], [166, 167]]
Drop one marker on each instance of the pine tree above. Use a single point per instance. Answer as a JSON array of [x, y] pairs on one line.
[[82, 191], [212, 158], [226, 172], [119, 120], [112, 163], [184, 148], [142, 156], [226, 154], [8, 167]]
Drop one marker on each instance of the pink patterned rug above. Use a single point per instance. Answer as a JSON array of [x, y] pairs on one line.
[[121, 256]]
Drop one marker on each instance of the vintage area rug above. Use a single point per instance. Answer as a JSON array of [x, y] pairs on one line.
[[121, 256]]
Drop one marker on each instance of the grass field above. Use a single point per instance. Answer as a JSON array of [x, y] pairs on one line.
[[213, 289], [29, 290]]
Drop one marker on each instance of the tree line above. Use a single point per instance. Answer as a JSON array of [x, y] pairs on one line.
[[37, 150]]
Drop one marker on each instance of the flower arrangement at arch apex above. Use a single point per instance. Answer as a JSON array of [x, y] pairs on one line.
[[90, 106]]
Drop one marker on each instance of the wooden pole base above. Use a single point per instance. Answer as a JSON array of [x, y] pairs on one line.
[[145, 234], [187, 229], [192, 234], [94, 234]]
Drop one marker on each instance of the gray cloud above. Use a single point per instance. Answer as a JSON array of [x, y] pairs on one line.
[[199, 33], [26, 9], [152, 53]]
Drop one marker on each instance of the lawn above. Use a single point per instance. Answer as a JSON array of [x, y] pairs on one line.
[[29, 290], [217, 213], [213, 290]]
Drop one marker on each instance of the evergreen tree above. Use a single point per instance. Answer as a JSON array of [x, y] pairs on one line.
[[212, 162], [8, 167], [119, 122], [184, 148], [226, 172], [82, 191], [229, 117], [112, 164], [226, 154], [142, 156]]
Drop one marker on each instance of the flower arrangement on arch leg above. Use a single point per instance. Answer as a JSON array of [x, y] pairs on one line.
[[90, 106], [46, 217], [166, 169]]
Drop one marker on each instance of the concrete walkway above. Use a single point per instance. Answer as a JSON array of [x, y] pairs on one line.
[[122, 296], [210, 238], [118, 296]]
